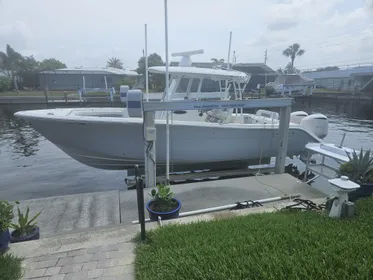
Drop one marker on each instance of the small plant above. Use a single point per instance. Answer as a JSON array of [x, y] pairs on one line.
[[24, 226], [6, 215], [359, 167], [163, 199]]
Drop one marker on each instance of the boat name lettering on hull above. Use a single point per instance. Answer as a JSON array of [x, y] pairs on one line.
[[217, 106]]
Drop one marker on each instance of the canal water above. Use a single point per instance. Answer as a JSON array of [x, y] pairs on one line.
[[32, 167]]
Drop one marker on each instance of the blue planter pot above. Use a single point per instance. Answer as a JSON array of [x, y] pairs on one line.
[[153, 215], [4, 240], [35, 235], [365, 190]]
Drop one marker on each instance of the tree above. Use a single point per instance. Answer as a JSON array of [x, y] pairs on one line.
[[293, 51], [29, 64], [10, 62], [153, 60], [217, 62], [114, 63], [155, 80], [290, 69], [29, 67], [280, 70], [51, 64]]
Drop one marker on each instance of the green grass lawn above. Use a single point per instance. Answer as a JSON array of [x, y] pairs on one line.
[[10, 267], [281, 245]]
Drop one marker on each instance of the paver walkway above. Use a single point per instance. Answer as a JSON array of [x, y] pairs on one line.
[[96, 254], [113, 261]]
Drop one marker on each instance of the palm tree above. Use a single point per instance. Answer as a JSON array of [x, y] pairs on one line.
[[114, 63], [217, 62], [10, 62], [293, 51]]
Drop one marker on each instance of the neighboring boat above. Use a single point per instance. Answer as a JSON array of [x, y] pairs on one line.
[[107, 138], [292, 84]]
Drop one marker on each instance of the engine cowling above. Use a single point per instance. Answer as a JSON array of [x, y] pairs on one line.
[[123, 90], [318, 124], [297, 116]]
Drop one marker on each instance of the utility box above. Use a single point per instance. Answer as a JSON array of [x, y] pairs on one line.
[[348, 209]]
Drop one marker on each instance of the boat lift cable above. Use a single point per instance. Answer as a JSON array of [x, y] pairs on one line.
[[304, 204], [246, 204]]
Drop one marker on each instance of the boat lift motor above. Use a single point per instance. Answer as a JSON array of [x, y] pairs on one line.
[[341, 207]]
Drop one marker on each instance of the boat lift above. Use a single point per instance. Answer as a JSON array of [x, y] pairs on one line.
[[82, 92], [137, 107]]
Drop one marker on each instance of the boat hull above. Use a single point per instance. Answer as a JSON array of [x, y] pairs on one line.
[[103, 143]]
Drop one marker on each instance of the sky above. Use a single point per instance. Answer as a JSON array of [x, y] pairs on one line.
[[89, 32]]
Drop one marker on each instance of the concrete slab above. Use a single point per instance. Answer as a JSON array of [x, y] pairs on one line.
[[74, 212], [66, 213], [195, 196]]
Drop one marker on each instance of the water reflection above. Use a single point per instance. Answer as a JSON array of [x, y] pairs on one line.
[[17, 135]]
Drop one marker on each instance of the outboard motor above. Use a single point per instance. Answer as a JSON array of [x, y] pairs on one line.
[[123, 93], [297, 116], [134, 103], [267, 114], [318, 124]]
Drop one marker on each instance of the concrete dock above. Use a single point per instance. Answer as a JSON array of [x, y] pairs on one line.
[[91, 235], [62, 214]]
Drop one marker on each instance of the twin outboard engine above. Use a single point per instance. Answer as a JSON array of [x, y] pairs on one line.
[[134, 103], [297, 116], [318, 124], [123, 90]]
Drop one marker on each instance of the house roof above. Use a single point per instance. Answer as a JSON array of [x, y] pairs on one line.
[[93, 70], [345, 73]]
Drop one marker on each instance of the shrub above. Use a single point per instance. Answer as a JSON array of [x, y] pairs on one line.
[[10, 267], [6, 215], [5, 84]]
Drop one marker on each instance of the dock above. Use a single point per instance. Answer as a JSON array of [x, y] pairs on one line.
[[71, 213]]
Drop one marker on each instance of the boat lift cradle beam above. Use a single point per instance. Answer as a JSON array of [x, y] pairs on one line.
[[149, 108]]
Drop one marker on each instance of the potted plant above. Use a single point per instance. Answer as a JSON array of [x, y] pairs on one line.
[[163, 204], [6, 216], [359, 169], [26, 229]]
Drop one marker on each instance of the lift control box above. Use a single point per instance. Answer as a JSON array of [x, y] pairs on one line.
[[150, 134]]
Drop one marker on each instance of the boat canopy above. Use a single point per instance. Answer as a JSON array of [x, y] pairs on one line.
[[206, 73]]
